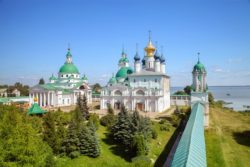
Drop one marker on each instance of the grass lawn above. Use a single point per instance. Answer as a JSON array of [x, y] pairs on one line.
[[112, 156], [228, 138]]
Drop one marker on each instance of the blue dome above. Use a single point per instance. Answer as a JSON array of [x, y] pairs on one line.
[[157, 55], [143, 61], [162, 59], [137, 57]]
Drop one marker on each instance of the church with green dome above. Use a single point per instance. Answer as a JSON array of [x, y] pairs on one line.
[[145, 87], [64, 89]]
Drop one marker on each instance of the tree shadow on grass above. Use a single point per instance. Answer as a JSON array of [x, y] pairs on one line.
[[164, 154], [117, 149], [242, 138]]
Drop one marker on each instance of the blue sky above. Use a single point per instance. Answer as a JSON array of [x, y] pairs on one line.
[[34, 36]]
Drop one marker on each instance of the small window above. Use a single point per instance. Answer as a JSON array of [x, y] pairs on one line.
[[155, 80], [134, 80], [61, 75], [145, 80]]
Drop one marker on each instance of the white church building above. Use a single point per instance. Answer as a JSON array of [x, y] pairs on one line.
[[144, 88], [64, 89]]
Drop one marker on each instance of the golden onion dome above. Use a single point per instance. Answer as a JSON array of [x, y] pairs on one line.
[[150, 49]]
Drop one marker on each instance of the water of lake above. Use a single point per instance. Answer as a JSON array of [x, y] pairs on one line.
[[239, 96]]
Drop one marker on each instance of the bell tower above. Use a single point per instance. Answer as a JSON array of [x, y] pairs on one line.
[[199, 92]]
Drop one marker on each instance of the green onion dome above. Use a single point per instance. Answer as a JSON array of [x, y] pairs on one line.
[[69, 68], [112, 80], [84, 77], [199, 67], [68, 53], [52, 77], [124, 60], [123, 72]]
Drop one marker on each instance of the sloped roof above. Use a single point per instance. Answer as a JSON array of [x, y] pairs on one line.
[[35, 110], [191, 150]]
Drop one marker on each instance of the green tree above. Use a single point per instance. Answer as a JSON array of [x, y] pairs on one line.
[[180, 93], [41, 81], [70, 145], [110, 109], [210, 98], [60, 136], [133, 131], [140, 144], [20, 142], [82, 103], [188, 90], [94, 149], [122, 129], [77, 117], [49, 133], [97, 88], [94, 118]]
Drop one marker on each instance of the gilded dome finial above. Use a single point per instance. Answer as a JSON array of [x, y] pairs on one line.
[[150, 49], [149, 35]]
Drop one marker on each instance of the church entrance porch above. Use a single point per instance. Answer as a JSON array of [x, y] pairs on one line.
[[140, 107], [117, 106]]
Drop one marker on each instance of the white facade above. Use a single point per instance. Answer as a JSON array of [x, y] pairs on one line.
[[63, 90], [146, 88]]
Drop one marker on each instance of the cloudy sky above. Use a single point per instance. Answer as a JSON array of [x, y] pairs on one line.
[[34, 36]]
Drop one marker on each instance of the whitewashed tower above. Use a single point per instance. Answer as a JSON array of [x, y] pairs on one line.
[[137, 63], [200, 89]]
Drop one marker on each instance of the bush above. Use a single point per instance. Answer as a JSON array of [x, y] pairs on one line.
[[74, 154], [108, 120], [165, 127], [141, 161], [175, 121], [154, 134], [162, 121], [140, 145], [50, 161]]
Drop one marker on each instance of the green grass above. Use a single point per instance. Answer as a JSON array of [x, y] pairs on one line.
[[227, 139], [113, 156]]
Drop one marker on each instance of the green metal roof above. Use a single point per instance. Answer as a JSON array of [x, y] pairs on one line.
[[123, 72], [199, 67], [124, 60], [84, 77], [69, 68], [35, 110], [68, 53], [112, 80], [52, 77], [191, 150]]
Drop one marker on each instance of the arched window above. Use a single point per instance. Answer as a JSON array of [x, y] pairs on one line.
[[140, 93], [118, 93], [83, 87]]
